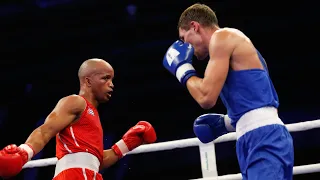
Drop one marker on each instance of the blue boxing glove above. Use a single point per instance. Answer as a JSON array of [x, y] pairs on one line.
[[178, 61], [209, 127]]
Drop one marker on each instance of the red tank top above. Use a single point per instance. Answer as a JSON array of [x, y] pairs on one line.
[[85, 135]]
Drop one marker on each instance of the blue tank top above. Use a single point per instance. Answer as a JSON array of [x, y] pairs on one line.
[[246, 90]]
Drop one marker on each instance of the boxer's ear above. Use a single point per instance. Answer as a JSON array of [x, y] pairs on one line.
[[194, 26], [88, 81]]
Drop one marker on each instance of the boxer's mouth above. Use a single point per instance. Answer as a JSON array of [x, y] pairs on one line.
[[109, 93]]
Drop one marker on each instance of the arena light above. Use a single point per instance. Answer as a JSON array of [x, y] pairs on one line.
[[131, 9], [51, 3]]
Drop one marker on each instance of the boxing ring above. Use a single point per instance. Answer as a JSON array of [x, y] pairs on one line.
[[207, 153]]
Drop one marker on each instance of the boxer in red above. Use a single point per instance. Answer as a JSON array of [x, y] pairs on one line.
[[79, 136]]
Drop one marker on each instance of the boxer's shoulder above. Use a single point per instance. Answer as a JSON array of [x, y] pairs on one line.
[[229, 30], [224, 40], [231, 34], [74, 103]]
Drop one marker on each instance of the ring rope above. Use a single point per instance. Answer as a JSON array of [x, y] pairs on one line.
[[305, 169], [183, 143]]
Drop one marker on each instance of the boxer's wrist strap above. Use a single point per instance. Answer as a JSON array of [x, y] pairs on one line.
[[122, 147], [227, 122], [181, 71], [28, 149]]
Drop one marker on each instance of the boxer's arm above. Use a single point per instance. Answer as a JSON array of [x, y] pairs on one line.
[[65, 112], [206, 90], [109, 158]]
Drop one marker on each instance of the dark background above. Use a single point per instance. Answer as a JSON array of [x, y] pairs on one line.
[[43, 44]]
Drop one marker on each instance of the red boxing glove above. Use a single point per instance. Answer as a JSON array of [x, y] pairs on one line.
[[13, 158], [139, 134]]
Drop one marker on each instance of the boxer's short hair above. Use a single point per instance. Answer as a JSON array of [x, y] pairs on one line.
[[200, 13]]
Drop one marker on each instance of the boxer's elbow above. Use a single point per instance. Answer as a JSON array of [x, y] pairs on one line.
[[207, 102], [207, 105], [202, 93], [208, 97]]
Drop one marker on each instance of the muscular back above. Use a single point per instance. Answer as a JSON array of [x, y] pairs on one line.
[[244, 55]]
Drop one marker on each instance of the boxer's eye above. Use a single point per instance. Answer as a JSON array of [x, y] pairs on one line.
[[106, 77]]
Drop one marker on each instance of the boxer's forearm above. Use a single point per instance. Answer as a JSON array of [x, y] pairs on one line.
[[109, 158], [38, 139], [200, 93]]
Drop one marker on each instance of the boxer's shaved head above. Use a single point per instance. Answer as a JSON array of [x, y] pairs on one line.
[[91, 67], [96, 75]]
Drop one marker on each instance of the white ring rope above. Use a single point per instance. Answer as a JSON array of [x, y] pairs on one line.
[[311, 168], [183, 143]]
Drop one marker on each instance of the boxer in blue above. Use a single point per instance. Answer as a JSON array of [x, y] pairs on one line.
[[237, 73]]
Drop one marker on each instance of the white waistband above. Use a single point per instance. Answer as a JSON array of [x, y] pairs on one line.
[[257, 118], [77, 160]]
